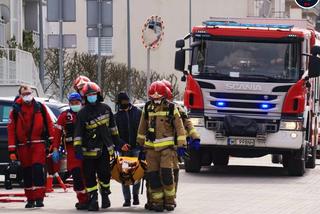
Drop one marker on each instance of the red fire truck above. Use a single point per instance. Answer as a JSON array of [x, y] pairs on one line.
[[252, 89]]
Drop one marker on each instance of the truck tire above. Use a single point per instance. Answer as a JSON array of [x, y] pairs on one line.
[[220, 159], [311, 158], [192, 164], [276, 158], [296, 163]]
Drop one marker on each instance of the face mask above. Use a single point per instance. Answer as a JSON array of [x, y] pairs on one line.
[[27, 98], [124, 106], [157, 102], [75, 108], [92, 98]]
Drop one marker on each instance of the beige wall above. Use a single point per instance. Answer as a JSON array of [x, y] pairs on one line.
[[175, 14]]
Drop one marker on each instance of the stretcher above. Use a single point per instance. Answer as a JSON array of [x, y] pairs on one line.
[[7, 197]]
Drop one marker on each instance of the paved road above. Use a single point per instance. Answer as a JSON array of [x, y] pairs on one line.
[[239, 188]]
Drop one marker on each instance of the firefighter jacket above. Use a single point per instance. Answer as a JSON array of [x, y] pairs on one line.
[[65, 127], [27, 125], [95, 130], [158, 130], [128, 123], [191, 131]]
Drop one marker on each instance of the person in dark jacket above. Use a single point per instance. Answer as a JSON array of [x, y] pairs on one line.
[[127, 120], [95, 135]]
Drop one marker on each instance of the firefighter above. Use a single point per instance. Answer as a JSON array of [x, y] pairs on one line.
[[79, 82], [29, 130], [127, 120], [160, 122], [94, 139], [64, 130], [193, 138]]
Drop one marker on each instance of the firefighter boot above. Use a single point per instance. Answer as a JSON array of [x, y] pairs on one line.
[[105, 198], [157, 207], [169, 207], [30, 204], [93, 201], [83, 201], [136, 200], [39, 203]]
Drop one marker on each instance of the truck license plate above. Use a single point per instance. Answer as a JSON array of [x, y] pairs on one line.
[[241, 141]]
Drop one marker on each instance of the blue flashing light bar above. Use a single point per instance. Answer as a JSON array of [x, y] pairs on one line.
[[221, 103], [265, 106], [236, 24]]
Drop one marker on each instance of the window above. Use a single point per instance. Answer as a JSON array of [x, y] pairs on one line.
[[4, 112], [106, 45]]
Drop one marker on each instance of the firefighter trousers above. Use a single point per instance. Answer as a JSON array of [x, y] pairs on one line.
[[160, 176], [33, 157], [97, 166], [74, 166]]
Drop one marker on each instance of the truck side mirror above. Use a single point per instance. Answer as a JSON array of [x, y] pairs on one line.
[[180, 43], [314, 66], [180, 60]]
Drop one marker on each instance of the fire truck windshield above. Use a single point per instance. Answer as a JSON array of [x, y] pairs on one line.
[[247, 61]]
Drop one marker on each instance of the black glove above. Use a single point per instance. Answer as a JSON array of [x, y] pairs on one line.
[[79, 153], [142, 154]]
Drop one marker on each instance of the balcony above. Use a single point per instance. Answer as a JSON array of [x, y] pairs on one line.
[[17, 67]]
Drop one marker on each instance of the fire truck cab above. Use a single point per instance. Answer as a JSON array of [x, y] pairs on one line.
[[252, 89]]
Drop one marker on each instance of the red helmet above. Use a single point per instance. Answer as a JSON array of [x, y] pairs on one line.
[[79, 82], [167, 83], [169, 94], [90, 88], [157, 90]]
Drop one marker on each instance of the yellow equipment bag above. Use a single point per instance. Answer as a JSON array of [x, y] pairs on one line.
[[128, 170]]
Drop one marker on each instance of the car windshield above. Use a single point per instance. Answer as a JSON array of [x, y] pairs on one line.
[[251, 61]]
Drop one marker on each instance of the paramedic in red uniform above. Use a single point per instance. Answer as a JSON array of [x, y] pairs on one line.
[[29, 128]]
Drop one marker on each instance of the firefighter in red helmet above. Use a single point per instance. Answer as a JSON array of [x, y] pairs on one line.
[[160, 123], [79, 82], [95, 136]]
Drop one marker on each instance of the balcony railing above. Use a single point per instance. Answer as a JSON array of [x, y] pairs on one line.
[[18, 67]]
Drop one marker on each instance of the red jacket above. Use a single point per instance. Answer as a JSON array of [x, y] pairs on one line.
[[22, 127], [65, 125]]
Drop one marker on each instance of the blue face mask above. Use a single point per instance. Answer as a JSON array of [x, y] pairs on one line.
[[75, 108], [92, 98]]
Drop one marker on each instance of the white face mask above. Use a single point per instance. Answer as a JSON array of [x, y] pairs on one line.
[[157, 101], [27, 98]]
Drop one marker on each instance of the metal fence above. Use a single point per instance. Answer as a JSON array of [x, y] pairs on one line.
[[18, 67]]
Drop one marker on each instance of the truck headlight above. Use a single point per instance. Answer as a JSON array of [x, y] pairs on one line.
[[197, 121], [291, 125]]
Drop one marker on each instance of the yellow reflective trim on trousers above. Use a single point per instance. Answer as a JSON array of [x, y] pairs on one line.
[[157, 195], [151, 129], [77, 143], [176, 112], [92, 153], [140, 136], [170, 192], [115, 132], [161, 144], [90, 189], [181, 137], [98, 123], [104, 185]]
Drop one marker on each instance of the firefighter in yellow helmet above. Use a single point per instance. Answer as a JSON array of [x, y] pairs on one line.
[[159, 124]]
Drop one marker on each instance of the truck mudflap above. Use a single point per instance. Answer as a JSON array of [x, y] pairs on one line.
[[282, 139]]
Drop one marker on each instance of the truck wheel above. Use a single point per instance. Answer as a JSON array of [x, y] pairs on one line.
[[275, 158], [193, 162], [220, 159], [311, 161], [296, 163]]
